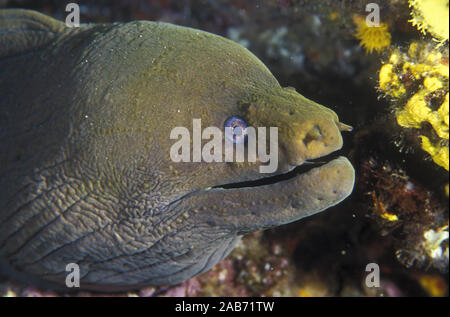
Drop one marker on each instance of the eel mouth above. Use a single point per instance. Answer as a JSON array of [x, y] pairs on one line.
[[275, 200], [296, 170], [271, 201], [292, 173]]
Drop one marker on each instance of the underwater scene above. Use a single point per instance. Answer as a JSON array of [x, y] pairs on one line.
[[224, 148]]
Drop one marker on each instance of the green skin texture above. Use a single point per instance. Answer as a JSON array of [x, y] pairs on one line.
[[85, 172]]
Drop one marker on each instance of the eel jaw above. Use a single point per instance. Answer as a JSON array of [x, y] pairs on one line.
[[254, 208]]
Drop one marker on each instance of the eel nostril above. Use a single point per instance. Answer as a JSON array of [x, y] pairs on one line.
[[313, 135]]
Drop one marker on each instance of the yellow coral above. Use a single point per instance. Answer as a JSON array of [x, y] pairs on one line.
[[438, 152], [423, 74], [372, 37], [431, 16], [417, 111], [388, 216], [389, 81], [435, 285]]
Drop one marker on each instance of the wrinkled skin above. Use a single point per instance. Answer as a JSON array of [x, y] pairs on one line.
[[85, 172]]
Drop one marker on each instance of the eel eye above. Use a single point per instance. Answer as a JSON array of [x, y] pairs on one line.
[[237, 129]]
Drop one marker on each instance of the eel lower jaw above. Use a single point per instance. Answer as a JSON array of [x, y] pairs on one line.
[[291, 172], [272, 201]]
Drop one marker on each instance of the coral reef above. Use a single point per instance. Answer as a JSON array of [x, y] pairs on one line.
[[418, 80], [408, 212]]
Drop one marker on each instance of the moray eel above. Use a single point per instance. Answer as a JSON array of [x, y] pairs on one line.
[[85, 171]]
